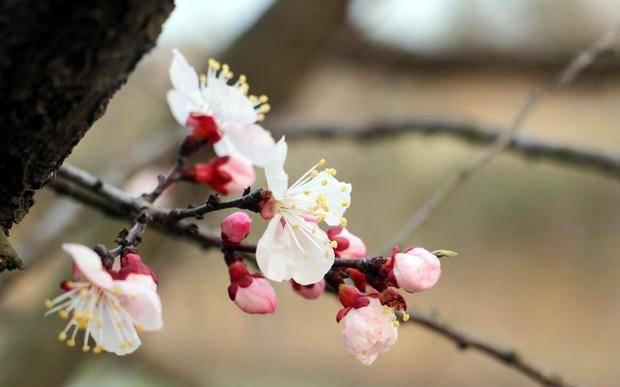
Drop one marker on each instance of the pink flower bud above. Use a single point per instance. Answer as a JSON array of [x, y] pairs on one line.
[[369, 331], [134, 270], [415, 270], [311, 291], [251, 292], [268, 207], [349, 245], [226, 175], [204, 127], [236, 227]]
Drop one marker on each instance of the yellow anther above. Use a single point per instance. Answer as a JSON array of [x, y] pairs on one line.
[[314, 230], [71, 343], [244, 88], [83, 293], [85, 348], [306, 254], [116, 291], [242, 78], [117, 305], [324, 182], [63, 314], [333, 244], [405, 316], [253, 98], [77, 316], [48, 303], [343, 188], [203, 78], [314, 173], [265, 108], [365, 352], [263, 98], [343, 222], [396, 324], [82, 324], [139, 328], [98, 349], [320, 218], [321, 162], [260, 117], [225, 68], [62, 336], [331, 171], [327, 254], [296, 226], [345, 204], [386, 309], [214, 64], [307, 192]]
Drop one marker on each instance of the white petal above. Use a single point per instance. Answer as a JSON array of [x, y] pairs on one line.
[[142, 303], [113, 341], [183, 76], [277, 179], [181, 105], [336, 193], [248, 140], [286, 252], [89, 264], [228, 103]]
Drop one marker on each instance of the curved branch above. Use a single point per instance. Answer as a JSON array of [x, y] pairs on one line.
[[565, 75], [114, 202]]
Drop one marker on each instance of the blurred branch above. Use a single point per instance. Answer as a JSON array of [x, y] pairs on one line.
[[566, 75], [509, 357], [277, 50], [599, 162], [113, 202]]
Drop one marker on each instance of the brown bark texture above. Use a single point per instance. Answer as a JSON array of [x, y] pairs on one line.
[[60, 63]]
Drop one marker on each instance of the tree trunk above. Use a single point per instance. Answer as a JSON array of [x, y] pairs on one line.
[[60, 63]]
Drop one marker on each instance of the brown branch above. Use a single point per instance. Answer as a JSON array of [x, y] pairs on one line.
[[566, 75], [114, 202], [591, 160], [507, 356]]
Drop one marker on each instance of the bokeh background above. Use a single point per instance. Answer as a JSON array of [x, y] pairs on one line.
[[538, 267]]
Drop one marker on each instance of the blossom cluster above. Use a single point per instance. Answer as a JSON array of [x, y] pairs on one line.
[[306, 241]]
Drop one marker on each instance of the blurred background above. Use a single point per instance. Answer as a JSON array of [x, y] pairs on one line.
[[538, 267]]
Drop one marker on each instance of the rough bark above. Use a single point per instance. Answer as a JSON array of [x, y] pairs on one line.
[[60, 63]]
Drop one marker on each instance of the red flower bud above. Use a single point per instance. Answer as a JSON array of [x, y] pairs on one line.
[[226, 175], [204, 127]]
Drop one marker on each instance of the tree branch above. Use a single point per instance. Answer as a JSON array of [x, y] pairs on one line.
[[566, 75], [114, 202], [591, 160]]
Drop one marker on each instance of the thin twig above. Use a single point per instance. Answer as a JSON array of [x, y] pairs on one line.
[[112, 201], [507, 356], [567, 74]]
